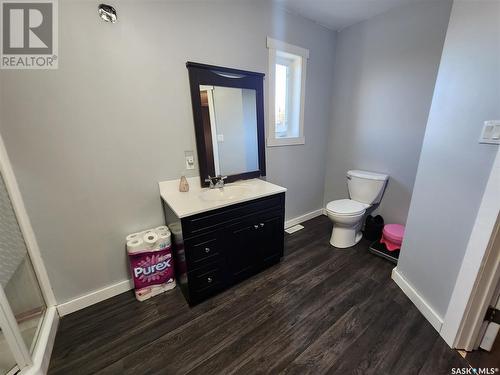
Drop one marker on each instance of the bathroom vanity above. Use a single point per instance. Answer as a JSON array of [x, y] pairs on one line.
[[224, 233], [223, 236]]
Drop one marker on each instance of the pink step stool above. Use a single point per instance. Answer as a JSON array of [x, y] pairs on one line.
[[392, 236]]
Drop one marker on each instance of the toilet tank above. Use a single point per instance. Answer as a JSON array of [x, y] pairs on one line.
[[366, 187]]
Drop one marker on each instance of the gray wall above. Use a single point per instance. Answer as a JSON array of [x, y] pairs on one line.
[[454, 167], [384, 74], [90, 141]]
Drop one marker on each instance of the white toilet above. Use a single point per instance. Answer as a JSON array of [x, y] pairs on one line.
[[365, 189]]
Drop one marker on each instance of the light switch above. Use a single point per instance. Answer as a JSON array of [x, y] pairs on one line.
[[490, 132], [220, 137]]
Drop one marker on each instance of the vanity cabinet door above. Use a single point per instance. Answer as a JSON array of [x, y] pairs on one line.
[[254, 244], [271, 240], [240, 250]]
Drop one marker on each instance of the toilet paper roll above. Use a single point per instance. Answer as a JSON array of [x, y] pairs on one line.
[[135, 244], [161, 229], [133, 236], [164, 239], [150, 238]]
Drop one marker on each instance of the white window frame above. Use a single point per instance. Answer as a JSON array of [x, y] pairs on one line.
[[274, 46]]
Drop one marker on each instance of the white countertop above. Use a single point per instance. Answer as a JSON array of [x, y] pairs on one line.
[[191, 203]]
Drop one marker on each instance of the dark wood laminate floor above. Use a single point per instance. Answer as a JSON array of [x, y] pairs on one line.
[[320, 311]]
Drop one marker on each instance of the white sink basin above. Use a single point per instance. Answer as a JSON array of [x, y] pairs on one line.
[[228, 192]]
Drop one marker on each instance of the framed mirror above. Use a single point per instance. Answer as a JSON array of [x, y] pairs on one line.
[[228, 112]]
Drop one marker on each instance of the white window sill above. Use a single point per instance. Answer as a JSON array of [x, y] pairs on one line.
[[274, 142]]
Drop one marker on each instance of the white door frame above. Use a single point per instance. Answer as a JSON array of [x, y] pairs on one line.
[[485, 339], [479, 273], [482, 295]]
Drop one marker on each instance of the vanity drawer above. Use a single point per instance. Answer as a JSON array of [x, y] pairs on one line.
[[201, 250], [206, 279], [197, 224]]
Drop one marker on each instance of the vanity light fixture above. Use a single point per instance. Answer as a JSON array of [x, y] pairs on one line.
[[107, 13]]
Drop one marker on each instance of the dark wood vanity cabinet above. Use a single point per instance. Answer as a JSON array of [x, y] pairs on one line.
[[216, 249]]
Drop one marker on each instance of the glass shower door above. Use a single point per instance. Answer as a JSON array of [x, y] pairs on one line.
[[22, 305], [7, 360]]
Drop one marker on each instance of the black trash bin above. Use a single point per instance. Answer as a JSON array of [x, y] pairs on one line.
[[373, 227]]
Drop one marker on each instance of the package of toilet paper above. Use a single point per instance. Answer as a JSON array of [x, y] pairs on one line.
[[151, 263]]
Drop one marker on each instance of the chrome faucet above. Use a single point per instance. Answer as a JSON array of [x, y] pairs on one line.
[[219, 181]]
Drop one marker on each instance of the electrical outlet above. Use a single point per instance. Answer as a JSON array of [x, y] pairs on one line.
[[189, 158], [189, 162]]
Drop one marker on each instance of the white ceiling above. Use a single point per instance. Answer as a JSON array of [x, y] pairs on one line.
[[337, 14]]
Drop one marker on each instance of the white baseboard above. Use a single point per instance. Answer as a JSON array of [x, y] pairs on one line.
[[94, 297], [44, 345], [426, 310], [123, 286], [302, 218]]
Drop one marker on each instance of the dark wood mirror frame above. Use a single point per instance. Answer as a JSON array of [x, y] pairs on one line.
[[202, 74]]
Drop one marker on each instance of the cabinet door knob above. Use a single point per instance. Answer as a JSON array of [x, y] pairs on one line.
[[207, 249], [210, 279], [256, 226], [262, 225]]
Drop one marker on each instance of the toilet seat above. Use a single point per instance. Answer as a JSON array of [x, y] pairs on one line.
[[346, 207]]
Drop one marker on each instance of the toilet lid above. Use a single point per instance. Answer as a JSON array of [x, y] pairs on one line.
[[346, 207]]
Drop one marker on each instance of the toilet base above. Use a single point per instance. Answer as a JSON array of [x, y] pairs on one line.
[[343, 237]]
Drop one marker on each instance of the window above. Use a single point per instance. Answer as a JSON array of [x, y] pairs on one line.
[[281, 105], [287, 78]]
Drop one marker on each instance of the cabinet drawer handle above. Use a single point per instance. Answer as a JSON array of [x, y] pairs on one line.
[[262, 225], [210, 279], [207, 250]]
